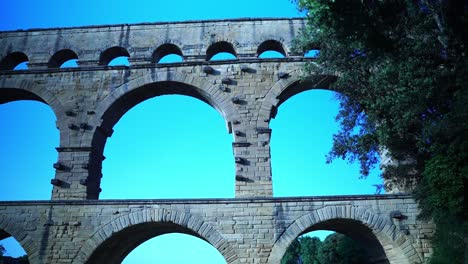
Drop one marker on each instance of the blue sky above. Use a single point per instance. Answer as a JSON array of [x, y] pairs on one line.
[[168, 141]]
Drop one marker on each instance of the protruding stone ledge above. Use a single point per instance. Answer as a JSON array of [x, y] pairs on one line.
[[337, 198], [74, 149], [157, 65]]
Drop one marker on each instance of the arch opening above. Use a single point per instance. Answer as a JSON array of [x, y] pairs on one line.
[[120, 106], [176, 151], [373, 232], [22, 66], [65, 58], [118, 247], [302, 138], [175, 248], [167, 53], [178, 143], [313, 53], [269, 46], [222, 50], [114, 56], [270, 54], [119, 61], [171, 58], [325, 246], [11, 250], [73, 63], [28, 139], [14, 61]]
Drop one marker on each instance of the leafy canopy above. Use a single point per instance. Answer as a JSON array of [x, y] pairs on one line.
[[402, 75], [336, 248]]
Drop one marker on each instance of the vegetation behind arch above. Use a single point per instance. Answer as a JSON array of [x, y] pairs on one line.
[[404, 65]]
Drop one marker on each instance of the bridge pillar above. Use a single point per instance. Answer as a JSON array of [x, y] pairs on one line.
[[252, 156], [253, 169], [78, 174]]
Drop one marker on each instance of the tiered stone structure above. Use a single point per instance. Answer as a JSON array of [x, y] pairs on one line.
[[75, 227]]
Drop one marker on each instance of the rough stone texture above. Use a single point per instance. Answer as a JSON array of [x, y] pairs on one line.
[[89, 100], [243, 230]]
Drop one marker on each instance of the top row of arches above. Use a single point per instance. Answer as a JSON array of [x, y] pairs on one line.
[[166, 53]]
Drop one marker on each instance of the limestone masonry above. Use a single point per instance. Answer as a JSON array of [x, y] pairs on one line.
[[76, 227]]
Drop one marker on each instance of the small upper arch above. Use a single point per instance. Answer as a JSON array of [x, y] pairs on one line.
[[111, 53], [10, 61], [60, 57], [164, 50], [220, 47], [271, 45]]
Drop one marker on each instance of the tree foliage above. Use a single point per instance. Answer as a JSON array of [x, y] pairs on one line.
[[336, 248], [310, 247], [293, 253], [340, 249], [402, 75]]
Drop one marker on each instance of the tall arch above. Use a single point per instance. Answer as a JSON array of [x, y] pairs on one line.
[[9, 228], [285, 88], [123, 98], [14, 89], [373, 230], [137, 227], [46, 148]]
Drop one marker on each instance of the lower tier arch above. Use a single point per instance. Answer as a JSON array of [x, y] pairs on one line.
[[113, 241], [382, 239]]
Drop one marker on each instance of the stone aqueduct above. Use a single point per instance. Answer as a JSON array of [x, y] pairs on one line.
[[76, 227]]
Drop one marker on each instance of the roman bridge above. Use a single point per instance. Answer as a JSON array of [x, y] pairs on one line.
[[88, 100]]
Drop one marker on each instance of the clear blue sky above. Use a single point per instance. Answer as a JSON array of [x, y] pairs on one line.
[[168, 141]]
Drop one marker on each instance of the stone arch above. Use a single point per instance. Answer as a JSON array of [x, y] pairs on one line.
[[220, 46], [162, 82], [60, 57], [165, 49], [111, 53], [143, 225], [9, 228], [286, 88], [11, 60], [14, 89], [273, 45], [272, 39], [351, 220], [128, 95]]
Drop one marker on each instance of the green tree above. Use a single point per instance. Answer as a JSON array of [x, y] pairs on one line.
[[309, 249], [402, 76], [292, 254], [340, 249], [336, 248]]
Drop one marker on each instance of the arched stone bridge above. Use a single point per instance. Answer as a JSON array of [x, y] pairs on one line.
[[75, 227]]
